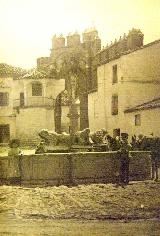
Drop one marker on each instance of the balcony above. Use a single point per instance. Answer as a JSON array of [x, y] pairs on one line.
[[34, 102]]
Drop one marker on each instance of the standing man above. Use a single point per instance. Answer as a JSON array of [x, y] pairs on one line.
[[155, 155], [125, 147]]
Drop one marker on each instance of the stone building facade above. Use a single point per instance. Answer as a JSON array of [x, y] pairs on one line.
[[27, 105], [121, 80], [128, 75], [144, 118], [87, 49]]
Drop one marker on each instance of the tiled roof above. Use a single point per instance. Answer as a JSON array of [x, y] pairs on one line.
[[8, 70], [34, 74], [145, 106]]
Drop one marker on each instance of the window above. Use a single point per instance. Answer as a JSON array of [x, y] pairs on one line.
[[21, 99], [137, 120], [4, 99], [36, 89], [114, 105], [114, 74], [4, 133]]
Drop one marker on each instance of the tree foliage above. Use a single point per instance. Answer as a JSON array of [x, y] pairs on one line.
[[69, 64]]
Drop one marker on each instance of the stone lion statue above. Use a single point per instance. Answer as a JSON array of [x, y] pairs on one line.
[[98, 137], [82, 137], [53, 138]]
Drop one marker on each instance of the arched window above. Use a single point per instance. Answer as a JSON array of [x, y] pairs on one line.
[[36, 89]]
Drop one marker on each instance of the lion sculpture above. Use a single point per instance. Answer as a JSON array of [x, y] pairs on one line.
[[84, 137], [53, 138], [98, 137]]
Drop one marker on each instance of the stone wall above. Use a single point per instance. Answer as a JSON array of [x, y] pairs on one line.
[[72, 168]]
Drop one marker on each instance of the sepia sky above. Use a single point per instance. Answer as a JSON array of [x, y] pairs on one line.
[[27, 26]]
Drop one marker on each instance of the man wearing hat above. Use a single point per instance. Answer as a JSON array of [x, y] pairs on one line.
[[125, 147], [155, 156], [14, 148]]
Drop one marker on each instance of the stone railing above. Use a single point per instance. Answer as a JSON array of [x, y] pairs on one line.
[[34, 102]]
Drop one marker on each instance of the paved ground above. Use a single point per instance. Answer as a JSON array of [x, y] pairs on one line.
[[81, 210], [96, 209], [138, 200]]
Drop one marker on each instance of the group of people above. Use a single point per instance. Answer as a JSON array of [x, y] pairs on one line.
[[139, 143], [122, 146], [152, 144], [102, 139]]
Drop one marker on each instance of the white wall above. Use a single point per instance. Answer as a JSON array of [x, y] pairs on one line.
[[138, 81], [31, 120], [26, 122], [149, 122]]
